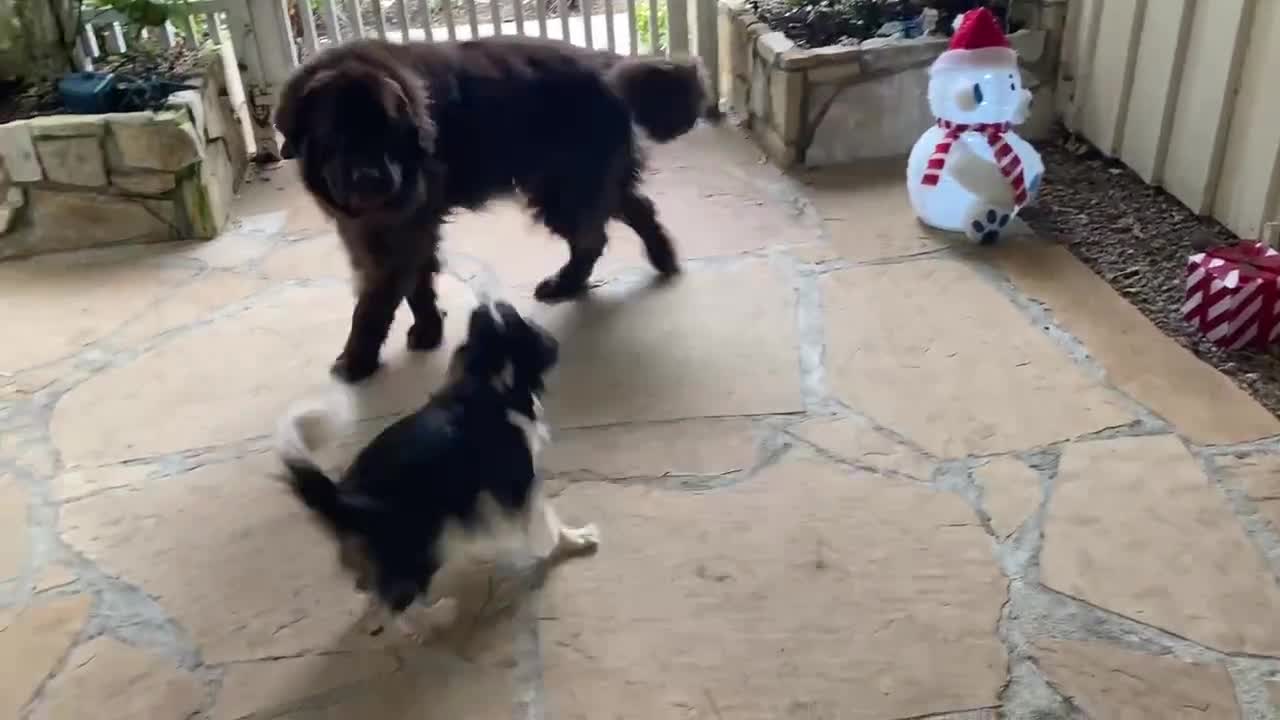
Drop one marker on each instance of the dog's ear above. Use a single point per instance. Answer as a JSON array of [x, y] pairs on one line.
[[291, 114], [485, 350], [395, 103], [287, 124], [483, 325], [402, 102]]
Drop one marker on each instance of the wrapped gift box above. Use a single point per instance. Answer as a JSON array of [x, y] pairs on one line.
[[1233, 295]]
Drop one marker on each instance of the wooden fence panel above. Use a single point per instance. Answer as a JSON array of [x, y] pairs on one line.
[[1161, 51], [1081, 36], [1202, 112], [1250, 171], [1107, 85]]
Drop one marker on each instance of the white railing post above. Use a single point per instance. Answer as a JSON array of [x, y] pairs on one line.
[[678, 12], [706, 40], [310, 38], [263, 41], [354, 18]]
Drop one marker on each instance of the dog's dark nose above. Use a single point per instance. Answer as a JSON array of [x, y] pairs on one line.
[[366, 178]]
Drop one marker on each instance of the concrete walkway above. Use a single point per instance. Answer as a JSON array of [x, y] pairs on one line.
[[844, 469]]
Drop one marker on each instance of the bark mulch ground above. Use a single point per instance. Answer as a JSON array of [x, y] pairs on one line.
[[1138, 238]]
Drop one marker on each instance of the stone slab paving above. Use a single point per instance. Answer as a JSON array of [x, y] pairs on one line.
[[844, 467]]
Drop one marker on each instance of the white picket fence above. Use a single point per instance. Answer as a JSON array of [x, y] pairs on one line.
[[270, 38]]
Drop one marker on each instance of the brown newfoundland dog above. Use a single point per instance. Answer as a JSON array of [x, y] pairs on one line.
[[393, 137]]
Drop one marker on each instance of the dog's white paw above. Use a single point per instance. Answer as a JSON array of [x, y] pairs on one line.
[[443, 612], [581, 539], [422, 625], [374, 619]]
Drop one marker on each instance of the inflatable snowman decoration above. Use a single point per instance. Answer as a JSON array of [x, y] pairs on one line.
[[970, 173]]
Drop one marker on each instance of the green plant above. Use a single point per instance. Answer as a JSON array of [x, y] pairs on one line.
[[645, 33], [143, 13]]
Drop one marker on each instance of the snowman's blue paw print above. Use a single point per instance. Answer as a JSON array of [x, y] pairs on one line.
[[986, 228]]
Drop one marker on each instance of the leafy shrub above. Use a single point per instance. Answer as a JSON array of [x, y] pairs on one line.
[[645, 33], [142, 13]]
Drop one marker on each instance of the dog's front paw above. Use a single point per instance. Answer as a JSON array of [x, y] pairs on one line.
[[443, 612], [424, 625], [664, 260], [351, 370], [424, 337], [558, 287], [987, 227], [585, 539]]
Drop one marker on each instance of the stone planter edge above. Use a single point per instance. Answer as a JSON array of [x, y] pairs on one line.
[[76, 181]]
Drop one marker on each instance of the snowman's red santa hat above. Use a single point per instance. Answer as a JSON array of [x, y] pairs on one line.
[[978, 43]]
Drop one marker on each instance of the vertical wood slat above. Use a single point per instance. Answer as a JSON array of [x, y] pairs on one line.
[[212, 29], [284, 49], [678, 27], [379, 19], [518, 9], [1068, 61], [1157, 72], [540, 10], [115, 38], [240, 33], [633, 35], [1085, 61], [1114, 52], [706, 42], [610, 40], [495, 16], [587, 40], [190, 30], [353, 18], [473, 18], [655, 32], [1249, 178], [332, 27], [82, 62], [562, 9], [446, 7], [1202, 112], [426, 23], [89, 43], [168, 38], [310, 38], [402, 14]]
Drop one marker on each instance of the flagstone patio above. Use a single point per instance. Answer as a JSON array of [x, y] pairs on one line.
[[844, 469]]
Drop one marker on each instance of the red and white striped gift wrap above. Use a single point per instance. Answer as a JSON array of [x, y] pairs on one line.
[[1233, 295]]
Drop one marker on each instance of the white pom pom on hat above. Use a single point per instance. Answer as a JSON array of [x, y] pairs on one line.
[[978, 42]]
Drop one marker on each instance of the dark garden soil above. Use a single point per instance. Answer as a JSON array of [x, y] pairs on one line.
[[20, 101], [1138, 238]]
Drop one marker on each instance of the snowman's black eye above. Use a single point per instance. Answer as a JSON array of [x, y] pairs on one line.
[[977, 93]]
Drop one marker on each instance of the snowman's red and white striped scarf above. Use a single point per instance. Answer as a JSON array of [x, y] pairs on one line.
[[1006, 159]]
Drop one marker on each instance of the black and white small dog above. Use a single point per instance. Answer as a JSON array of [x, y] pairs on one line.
[[418, 495]]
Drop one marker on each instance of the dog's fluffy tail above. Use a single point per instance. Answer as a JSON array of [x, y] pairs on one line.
[[666, 97], [299, 435]]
